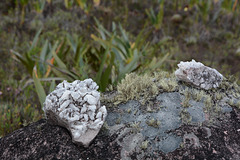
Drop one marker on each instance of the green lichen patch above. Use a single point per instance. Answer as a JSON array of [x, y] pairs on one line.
[[137, 87], [135, 127], [153, 123], [198, 95], [210, 99], [187, 97], [144, 144], [185, 116], [144, 87], [165, 81], [208, 102]]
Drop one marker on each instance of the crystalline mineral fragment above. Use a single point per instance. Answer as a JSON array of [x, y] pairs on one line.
[[199, 75], [76, 106]]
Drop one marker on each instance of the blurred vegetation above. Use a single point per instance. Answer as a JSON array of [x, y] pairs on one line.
[[46, 41]]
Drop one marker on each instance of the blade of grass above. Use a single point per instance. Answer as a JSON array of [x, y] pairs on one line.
[[39, 88], [30, 63], [58, 60], [123, 47], [159, 63], [129, 67], [44, 51], [160, 15], [140, 39], [102, 30], [99, 74], [124, 34], [19, 57], [72, 42], [35, 40], [60, 72], [42, 79], [52, 86], [81, 50], [106, 74]]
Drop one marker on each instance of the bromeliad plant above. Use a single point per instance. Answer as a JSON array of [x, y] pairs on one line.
[[135, 55], [106, 61], [127, 54]]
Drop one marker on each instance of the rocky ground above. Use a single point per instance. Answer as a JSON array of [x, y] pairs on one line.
[[179, 122], [219, 140]]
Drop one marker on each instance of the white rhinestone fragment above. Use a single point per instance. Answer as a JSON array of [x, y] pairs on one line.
[[76, 106], [199, 75]]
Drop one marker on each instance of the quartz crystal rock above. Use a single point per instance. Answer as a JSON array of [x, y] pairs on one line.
[[76, 106], [199, 75]]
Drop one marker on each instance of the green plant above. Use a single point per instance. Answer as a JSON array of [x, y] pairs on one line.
[[79, 49], [108, 62], [26, 59], [30, 114], [23, 4], [205, 7], [127, 54], [156, 20], [68, 3], [39, 88], [13, 117], [9, 119], [230, 5], [39, 5], [83, 5]]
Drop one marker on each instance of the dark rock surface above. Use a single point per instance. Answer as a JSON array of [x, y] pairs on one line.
[[184, 124], [43, 141]]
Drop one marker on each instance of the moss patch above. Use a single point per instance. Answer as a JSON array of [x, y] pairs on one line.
[[138, 87], [144, 87]]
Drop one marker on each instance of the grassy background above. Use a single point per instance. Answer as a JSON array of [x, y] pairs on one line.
[[46, 41]]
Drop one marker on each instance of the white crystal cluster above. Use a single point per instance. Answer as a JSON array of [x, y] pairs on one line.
[[199, 75], [76, 106]]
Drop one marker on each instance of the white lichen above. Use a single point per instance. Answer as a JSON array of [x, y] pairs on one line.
[[199, 75], [76, 106]]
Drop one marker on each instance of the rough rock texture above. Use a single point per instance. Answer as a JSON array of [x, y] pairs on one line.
[[76, 106], [187, 123], [169, 126], [198, 74], [42, 141]]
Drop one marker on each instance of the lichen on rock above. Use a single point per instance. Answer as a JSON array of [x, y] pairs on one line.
[[134, 86], [161, 128], [76, 106], [144, 87], [199, 75]]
